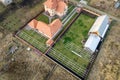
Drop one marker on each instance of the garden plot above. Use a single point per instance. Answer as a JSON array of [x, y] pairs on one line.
[[78, 51], [34, 38], [69, 51], [68, 62]]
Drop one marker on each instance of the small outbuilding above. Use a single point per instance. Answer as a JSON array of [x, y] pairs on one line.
[[97, 33], [78, 10], [100, 26], [6, 2], [92, 43], [56, 7]]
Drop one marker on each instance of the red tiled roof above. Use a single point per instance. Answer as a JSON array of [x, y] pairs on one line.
[[52, 4], [48, 30], [33, 23], [44, 28], [59, 5], [55, 26]]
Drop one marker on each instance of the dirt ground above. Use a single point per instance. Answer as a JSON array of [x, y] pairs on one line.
[[105, 5], [27, 65], [107, 64], [61, 74]]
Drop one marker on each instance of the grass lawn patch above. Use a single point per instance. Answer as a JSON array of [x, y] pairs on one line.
[[43, 18], [69, 50], [34, 38]]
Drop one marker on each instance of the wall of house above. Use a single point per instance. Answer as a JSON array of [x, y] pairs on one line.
[[51, 11]]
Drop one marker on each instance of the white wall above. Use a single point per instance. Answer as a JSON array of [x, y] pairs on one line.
[[52, 12]]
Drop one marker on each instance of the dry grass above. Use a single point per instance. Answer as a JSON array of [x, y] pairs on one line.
[[106, 5], [107, 65], [30, 66], [22, 15], [61, 74], [27, 65]]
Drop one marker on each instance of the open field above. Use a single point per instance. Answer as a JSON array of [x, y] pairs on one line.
[[21, 16], [68, 50], [60, 74], [107, 64], [27, 65], [5, 43]]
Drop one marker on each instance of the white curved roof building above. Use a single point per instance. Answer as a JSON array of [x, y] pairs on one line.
[[96, 33], [99, 26], [92, 43]]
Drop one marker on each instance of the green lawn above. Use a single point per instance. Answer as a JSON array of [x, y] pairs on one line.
[[43, 18], [34, 39], [66, 51]]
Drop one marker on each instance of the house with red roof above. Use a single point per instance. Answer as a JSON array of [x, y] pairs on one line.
[[56, 7], [47, 30]]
